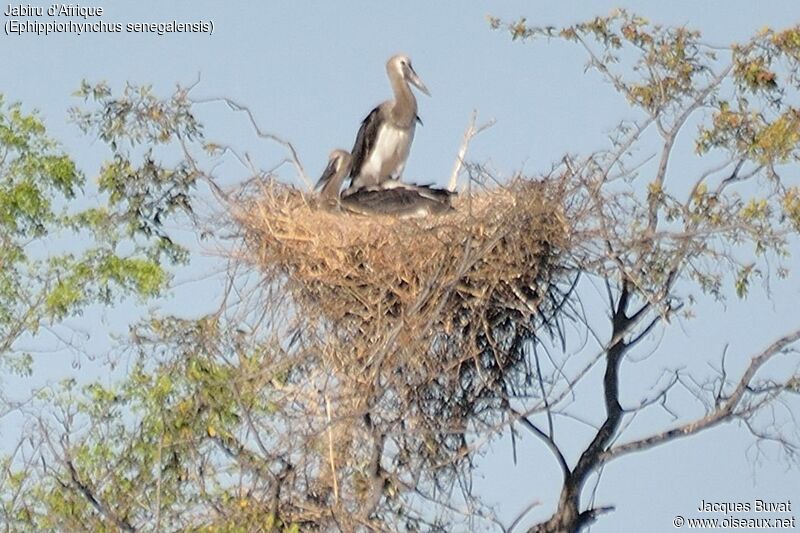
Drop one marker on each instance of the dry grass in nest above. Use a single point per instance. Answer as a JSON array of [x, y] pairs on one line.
[[440, 311]]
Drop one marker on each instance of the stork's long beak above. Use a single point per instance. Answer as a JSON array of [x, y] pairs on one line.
[[327, 174], [416, 81]]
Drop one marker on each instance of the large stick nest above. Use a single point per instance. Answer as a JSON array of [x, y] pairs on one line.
[[439, 314]]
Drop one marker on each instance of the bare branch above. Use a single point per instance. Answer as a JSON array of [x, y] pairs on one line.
[[469, 133], [265, 135], [723, 413], [528, 508], [548, 440]]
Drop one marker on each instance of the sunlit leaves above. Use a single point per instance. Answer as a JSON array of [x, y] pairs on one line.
[[733, 129], [748, 133], [136, 116], [787, 43], [671, 60], [33, 174], [673, 64], [742, 282], [743, 99], [779, 140], [668, 60], [143, 191], [94, 277], [791, 206], [754, 75], [169, 439], [759, 62], [56, 259]]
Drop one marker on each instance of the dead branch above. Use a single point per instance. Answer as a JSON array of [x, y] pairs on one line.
[[469, 133], [295, 158]]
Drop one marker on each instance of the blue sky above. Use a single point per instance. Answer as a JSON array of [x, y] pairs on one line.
[[311, 70]]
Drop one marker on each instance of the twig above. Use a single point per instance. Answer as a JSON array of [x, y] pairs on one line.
[[87, 493], [469, 133], [330, 451], [265, 135], [521, 515]]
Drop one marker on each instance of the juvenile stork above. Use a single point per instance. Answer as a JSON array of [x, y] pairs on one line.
[[339, 163], [390, 198], [384, 138]]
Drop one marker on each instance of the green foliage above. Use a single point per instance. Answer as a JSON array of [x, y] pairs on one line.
[[145, 193], [673, 67], [791, 206], [744, 96], [94, 277], [668, 60], [33, 174], [168, 440], [38, 185]]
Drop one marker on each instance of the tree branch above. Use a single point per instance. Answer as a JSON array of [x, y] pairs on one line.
[[469, 133], [562, 461], [92, 499], [724, 412], [265, 135]]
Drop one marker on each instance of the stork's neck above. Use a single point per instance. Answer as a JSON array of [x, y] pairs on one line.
[[330, 191], [404, 110]]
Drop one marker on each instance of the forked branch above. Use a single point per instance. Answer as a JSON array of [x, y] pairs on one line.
[[469, 133]]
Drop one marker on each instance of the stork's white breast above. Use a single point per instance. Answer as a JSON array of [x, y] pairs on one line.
[[389, 154]]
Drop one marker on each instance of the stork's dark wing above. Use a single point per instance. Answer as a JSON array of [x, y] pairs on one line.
[[433, 193], [365, 141], [425, 191], [399, 201]]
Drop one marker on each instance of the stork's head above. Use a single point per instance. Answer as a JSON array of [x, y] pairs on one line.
[[341, 159], [400, 65], [332, 177]]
